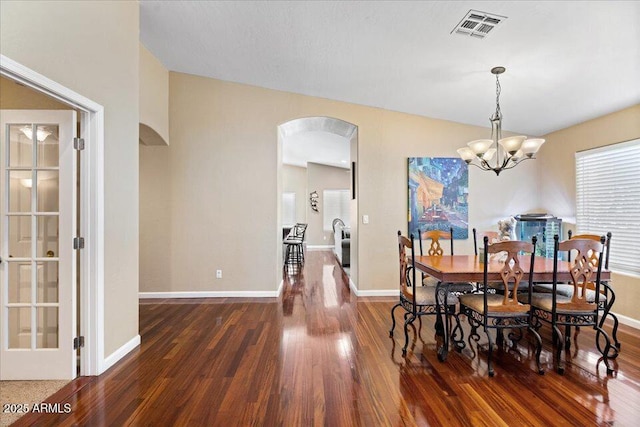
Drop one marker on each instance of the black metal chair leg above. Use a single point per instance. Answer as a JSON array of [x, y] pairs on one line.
[[614, 331], [558, 345], [610, 298], [538, 349], [499, 337], [406, 333], [458, 342], [489, 365], [473, 335], [608, 346], [393, 319]]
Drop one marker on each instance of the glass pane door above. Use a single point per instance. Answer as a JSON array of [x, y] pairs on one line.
[[32, 218], [37, 224]]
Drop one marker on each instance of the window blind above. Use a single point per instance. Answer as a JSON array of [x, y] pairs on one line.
[[608, 199], [335, 204], [288, 209]]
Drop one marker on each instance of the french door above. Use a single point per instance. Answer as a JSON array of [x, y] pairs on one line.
[[37, 260]]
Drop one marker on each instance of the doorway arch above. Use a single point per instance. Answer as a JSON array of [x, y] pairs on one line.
[[334, 130]]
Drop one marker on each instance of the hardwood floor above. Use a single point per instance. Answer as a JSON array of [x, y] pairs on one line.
[[321, 356]]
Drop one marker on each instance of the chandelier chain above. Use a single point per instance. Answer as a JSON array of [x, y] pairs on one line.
[[498, 114]]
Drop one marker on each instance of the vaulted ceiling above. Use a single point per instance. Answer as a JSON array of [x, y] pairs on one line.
[[566, 61]]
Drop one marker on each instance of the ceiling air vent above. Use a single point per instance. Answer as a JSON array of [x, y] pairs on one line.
[[477, 24]]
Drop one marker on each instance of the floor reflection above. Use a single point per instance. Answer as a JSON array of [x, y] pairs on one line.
[[321, 356]]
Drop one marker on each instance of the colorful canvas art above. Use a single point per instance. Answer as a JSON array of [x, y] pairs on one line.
[[438, 195]]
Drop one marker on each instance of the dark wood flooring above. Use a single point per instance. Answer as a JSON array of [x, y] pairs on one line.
[[321, 356]]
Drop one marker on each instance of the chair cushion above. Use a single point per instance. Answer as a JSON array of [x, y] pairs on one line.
[[430, 281], [453, 287], [567, 291], [426, 295], [544, 301], [292, 240], [476, 302]]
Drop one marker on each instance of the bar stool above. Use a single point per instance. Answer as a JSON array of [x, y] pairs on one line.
[[294, 242]]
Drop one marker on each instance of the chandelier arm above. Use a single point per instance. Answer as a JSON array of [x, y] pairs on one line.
[[518, 162], [506, 161], [484, 167]]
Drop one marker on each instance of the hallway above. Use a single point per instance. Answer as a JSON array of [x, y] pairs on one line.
[[321, 356]]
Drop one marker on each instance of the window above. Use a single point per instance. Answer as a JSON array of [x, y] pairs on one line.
[[288, 209], [335, 204], [608, 199]]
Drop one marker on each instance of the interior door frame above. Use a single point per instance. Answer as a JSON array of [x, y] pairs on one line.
[[92, 360]]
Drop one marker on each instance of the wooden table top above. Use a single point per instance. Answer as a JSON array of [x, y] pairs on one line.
[[468, 268]]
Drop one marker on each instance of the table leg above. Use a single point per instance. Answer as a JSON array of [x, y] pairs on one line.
[[442, 324]]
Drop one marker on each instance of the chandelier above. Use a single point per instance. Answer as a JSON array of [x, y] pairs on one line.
[[497, 154], [41, 134]]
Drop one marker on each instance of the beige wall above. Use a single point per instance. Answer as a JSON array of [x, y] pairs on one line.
[[155, 219], [14, 96], [320, 178], [557, 177], [154, 100], [224, 181], [92, 48], [155, 193], [294, 180]]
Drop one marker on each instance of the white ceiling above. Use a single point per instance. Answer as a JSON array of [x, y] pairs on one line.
[[566, 61], [323, 140], [317, 147]]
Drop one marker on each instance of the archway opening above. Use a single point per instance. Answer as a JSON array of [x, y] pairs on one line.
[[317, 186]]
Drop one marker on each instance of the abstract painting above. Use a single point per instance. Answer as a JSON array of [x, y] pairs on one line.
[[438, 195]]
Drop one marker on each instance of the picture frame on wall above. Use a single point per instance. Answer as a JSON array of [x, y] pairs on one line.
[[438, 195]]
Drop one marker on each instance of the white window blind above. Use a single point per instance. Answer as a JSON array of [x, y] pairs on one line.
[[335, 204], [608, 199], [288, 209]]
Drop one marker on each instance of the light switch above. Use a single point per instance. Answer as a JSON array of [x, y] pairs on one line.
[[365, 219]]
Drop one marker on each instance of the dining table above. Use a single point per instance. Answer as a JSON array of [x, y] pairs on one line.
[[452, 269]]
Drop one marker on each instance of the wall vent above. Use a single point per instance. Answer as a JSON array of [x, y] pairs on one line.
[[477, 24]]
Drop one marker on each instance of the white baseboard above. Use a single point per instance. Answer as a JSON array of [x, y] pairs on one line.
[[280, 288], [629, 321], [378, 293], [114, 357], [212, 294], [373, 292], [352, 286]]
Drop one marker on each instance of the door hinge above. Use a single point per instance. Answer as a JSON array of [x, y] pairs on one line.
[[78, 143], [78, 243], [78, 342]]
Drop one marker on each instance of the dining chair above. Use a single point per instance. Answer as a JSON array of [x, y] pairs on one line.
[[433, 237], [294, 243], [502, 311], [418, 301], [578, 309], [492, 235], [607, 295]]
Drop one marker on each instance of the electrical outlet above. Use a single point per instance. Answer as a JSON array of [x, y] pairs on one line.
[[218, 274]]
